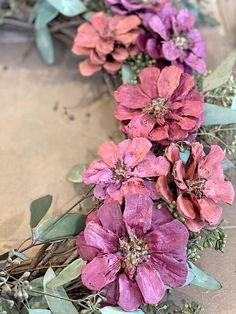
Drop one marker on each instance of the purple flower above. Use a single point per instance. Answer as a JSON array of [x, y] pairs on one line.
[[123, 7], [134, 254], [172, 37]]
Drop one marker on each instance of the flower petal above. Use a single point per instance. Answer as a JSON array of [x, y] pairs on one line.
[[98, 172], [169, 237], [210, 211], [127, 24], [170, 51], [87, 68], [157, 26], [173, 273], [169, 80], [99, 21], [133, 186], [186, 84], [131, 96], [101, 271], [159, 133], [96, 236], [136, 151], [150, 284], [149, 78], [130, 297], [86, 252], [112, 67], [219, 190], [109, 153], [140, 126], [110, 216], [138, 211], [164, 190], [185, 207], [185, 20], [160, 216], [152, 166], [196, 63]]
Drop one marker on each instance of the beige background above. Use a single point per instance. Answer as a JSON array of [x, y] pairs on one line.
[[51, 119]]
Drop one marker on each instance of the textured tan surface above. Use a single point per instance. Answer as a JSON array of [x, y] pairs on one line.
[[40, 142]]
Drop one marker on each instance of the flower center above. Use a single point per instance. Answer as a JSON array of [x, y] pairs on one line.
[[158, 107], [134, 252], [120, 171], [181, 42], [196, 186]]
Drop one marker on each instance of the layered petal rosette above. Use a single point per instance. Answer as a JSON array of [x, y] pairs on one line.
[[164, 107], [125, 169], [134, 254], [107, 41], [172, 37], [123, 7], [199, 185]]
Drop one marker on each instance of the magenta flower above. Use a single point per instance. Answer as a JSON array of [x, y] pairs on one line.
[[164, 107], [123, 7], [133, 255], [200, 185], [172, 36], [122, 169]]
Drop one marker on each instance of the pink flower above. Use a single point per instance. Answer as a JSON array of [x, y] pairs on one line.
[[107, 42], [164, 107], [123, 167], [200, 185], [133, 255]]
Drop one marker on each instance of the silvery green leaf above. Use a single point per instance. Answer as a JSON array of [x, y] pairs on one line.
[[218, 115], [185, 155], [38, 209], [71, 272], [233, 106], [227, 164], [87, 15], [37, 285], [45, 14], [59, 227], [38, 302], [38, 311], [221, 74], [201, 279], [117, 310], [75, 174], [68, 7], [44, 44], [127, 74], [57, 305]]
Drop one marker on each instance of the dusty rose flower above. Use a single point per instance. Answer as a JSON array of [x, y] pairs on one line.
[[164, 107], [133, 255], [107, 42], [122, 169], [172, 36], [124, 7], [200, 185]]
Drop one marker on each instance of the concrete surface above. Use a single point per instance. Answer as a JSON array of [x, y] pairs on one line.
[[52, 119]]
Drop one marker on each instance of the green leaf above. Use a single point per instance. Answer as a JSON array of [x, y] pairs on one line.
[[68, 274], [59, 227], [57, 305], [45, 14], [75, 174], [38, 209], [221, 74], [37, 285], [44, 44], [38, 311], [184, 155], [38, 302], [68, 7], [227, 164], [117, 310], [233, 106], [127, 74], [218, 115], [202, 279]]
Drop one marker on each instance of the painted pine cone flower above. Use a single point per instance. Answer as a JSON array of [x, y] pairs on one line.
[[173, 37], [107, 42], [123, 7], [122, 169], [199, 183], [133, 255], [164, 107]]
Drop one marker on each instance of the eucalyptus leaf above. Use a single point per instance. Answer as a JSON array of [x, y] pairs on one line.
[[233, 106], [185, 155], [68, 274], [75, 174], [38, 209], [38, 302], [37, 285], [227, 164], [127, 74], [68, 7], [202, 279], [221, 74], [88, 15], [59, 227], [45, 13], [218, 115], [56, 303], [117, 310], [44, 44], [38, 311]]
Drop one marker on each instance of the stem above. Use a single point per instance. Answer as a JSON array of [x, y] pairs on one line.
[[55, 296]]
